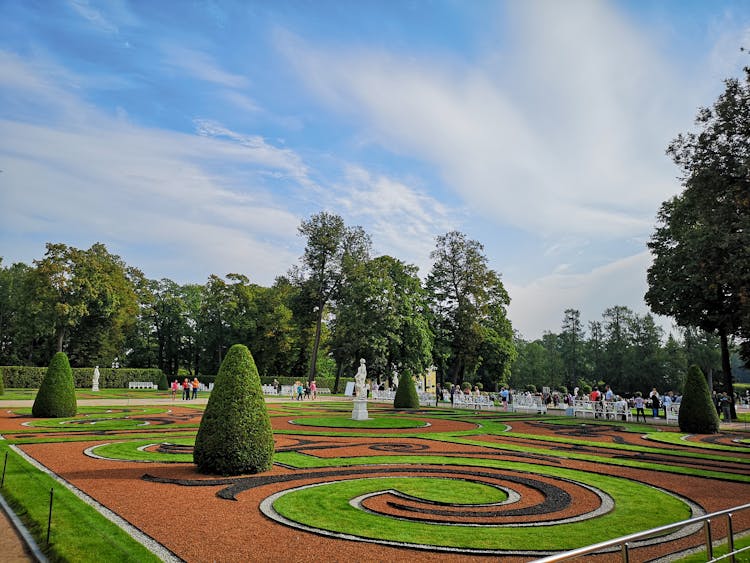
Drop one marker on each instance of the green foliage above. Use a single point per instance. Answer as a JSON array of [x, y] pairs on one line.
[[235, 432], [56, 397], [697, 412], [162, 383], [531, 388], [406, 394], [468, 303], [25, 377]]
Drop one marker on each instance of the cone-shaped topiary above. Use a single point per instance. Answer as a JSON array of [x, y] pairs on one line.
[[697, 413], [162, 384], [57, 393], [406, 394], [235, 433]]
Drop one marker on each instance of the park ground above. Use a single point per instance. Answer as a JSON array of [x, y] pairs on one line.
[[423, 485]]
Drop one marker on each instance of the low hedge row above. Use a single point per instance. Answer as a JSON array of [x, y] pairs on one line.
[[24, 377]]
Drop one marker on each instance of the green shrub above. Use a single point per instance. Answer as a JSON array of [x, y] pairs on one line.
[[162, 384], [57, 395], [406, 394], [235, 432], [531, 388], [2, 387], [697, 413]]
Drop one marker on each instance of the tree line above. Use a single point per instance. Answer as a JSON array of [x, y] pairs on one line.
[[338, 304]]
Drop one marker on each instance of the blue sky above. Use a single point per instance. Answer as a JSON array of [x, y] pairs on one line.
[[192, 137]]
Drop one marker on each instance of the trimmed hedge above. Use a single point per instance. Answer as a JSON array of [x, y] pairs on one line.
[[406, 394], [235, 433], [697, 412], [26, 377], [56, 397]]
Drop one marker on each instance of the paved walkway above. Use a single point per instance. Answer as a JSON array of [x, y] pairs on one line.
[[12, 547]]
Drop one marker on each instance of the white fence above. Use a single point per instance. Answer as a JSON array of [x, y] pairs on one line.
[[528, 403]]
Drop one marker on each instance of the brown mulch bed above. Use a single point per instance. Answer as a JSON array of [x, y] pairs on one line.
[[199, 526]]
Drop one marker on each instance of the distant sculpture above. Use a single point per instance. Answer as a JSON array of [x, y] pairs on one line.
[[359, 380], [395, 378], [95, 381]]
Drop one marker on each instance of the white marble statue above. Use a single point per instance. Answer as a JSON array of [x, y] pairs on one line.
[[395, 378], [359, 381], [95, 381]]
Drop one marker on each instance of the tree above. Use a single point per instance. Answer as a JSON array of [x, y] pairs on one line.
[[330, 246], [235, 433], [380, 315], [616, 325], [700, 274], [86, 289], [466, 298], [56, 397], [697, 413], [571, 346]]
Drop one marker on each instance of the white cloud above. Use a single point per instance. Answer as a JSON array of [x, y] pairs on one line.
[[538, 306], [402, 220]]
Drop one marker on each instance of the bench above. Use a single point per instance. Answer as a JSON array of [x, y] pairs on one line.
[[673, 413], [142, 385]]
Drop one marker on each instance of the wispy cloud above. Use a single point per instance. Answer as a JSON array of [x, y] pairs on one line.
[[105, 179], [559, 140], [93, 16], [201, 66]]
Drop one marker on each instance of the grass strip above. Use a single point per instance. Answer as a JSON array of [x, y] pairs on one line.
[[384, 422], [79, 533]]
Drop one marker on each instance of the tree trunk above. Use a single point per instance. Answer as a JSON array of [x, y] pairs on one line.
[[316, 344], [338, 377], [60, 337], [727, 369]]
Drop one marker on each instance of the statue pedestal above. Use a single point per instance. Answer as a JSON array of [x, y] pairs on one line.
[[95, 387], [359, 411]]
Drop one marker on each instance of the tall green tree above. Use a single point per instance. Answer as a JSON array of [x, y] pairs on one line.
[[380, 315], [466, 298], [87, 289], [571, 343], [701, 246], [331, 245]]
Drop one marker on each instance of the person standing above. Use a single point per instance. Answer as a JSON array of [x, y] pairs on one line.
[[196, 384], [608, 394], [175, 385], [313, 390], [655, 403], [639, 402], [186, 390]]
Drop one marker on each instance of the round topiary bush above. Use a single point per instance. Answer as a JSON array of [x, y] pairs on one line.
[[697, 413], [56, 397], [406, 394], [235, 432]]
